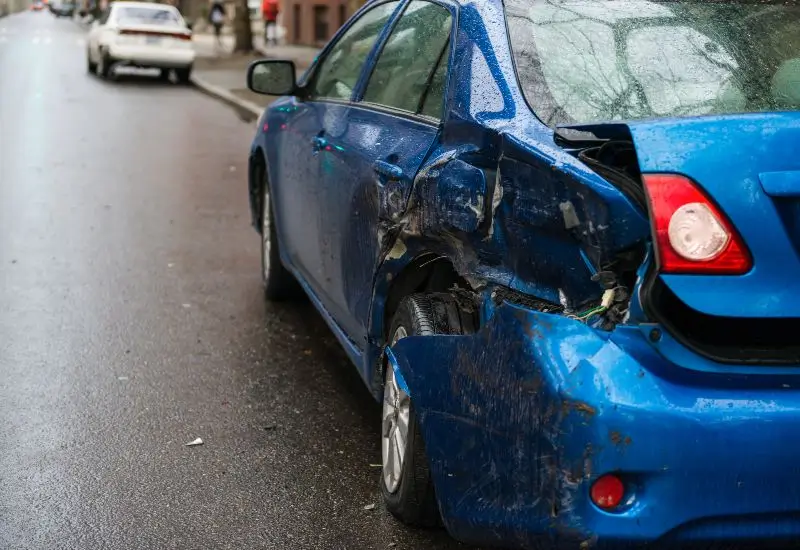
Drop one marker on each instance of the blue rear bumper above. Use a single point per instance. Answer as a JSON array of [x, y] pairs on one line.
[[519, 419]]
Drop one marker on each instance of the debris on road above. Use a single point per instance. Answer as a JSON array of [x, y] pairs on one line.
[[194, 443], [369, 507]]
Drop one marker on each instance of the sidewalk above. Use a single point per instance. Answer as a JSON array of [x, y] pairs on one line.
[[222, 74]]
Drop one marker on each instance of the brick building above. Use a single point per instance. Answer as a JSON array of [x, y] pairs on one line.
[[313, 22]]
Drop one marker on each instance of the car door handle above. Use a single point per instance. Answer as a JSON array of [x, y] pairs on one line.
[[388, 170], [318, 143]]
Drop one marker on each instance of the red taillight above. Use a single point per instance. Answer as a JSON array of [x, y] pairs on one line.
[[607, 492], [692, 235]]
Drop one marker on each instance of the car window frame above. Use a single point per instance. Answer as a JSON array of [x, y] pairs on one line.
[[159, 7], [311, 75], [446, 55]]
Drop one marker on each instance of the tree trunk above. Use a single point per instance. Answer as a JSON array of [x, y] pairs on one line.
[[242, 28]]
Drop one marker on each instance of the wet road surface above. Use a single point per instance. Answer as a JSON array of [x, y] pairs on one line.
[[131, 322]]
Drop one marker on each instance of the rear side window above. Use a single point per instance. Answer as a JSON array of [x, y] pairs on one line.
[[337, 74], [411, 70]]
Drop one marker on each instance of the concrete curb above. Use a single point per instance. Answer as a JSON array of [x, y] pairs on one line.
[[226, 96]]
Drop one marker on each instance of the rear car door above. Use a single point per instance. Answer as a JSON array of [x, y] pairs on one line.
[[373, 149], [299, 191]]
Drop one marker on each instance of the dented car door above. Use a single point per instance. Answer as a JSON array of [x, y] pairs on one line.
[[367, 172]]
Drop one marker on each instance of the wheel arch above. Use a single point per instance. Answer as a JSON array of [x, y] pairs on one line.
[[423, 271], [426, 272]]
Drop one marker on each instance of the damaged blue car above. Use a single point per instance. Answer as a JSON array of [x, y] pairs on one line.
[[560, 240]]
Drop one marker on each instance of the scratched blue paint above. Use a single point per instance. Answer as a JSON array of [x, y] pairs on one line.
[[398, 374], [520, 417]]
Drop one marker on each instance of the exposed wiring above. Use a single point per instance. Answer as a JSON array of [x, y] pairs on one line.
[[605, 302]]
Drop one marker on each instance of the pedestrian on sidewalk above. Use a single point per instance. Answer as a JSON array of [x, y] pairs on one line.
[[269, 11], [216, 16]]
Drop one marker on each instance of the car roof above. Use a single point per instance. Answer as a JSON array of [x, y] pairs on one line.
[[459, 2]]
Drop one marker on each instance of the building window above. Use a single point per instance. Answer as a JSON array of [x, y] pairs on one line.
[[297, 19], [321, 24]]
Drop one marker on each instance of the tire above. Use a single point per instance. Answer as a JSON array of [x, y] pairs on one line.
[[103, 68], [279, 284], [163, 75], [184, 75], [91, 68], [410, 496]]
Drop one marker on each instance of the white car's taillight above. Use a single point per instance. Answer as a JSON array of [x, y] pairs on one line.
[[696, 234]]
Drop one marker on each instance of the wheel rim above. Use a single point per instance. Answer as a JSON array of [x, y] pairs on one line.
[[265, 236], [396, 412]]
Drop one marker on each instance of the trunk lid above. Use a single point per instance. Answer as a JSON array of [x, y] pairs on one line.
[[750, 166]]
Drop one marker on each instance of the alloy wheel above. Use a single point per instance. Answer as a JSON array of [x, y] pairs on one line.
[[396, 412]]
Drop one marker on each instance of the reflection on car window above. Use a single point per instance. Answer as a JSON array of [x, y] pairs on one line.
[[433, 101], [338, 73], [407, 66], [149, 16], [595, 60]]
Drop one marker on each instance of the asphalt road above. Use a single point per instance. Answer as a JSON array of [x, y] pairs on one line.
[[132, 322]]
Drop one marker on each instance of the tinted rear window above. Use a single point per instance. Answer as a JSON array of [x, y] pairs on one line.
[[150, 16], [600, 60]]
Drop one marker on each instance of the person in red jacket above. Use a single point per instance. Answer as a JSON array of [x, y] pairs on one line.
[[269, 10]]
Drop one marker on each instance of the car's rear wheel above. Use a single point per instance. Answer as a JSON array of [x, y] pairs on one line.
[[103, 67], [163, 74], [91, 68], [406, 482], [184, 75], [279, 283]]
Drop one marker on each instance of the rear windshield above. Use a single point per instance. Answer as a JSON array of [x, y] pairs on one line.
[[150, 16], [600, 60]]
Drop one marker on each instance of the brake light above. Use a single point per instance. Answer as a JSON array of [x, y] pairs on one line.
[[691, 234]]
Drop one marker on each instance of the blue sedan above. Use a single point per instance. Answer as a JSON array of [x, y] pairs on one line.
[[560, 241]]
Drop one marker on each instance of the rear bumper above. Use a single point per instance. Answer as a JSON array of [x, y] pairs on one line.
[[143, 56], [520, 418]]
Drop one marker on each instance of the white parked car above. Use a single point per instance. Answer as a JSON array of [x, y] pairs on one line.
[[140, 34]]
